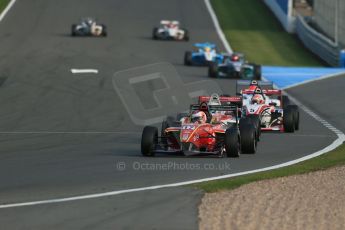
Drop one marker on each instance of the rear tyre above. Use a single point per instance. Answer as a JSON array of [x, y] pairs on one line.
[[188, 58], [255, 119], [155, 33], [186, 35], [295, 116], [232, 142], [149, 139], [288, 119], [213, 70], [257, 72], [74, 30], [104, 31], [248, 138]]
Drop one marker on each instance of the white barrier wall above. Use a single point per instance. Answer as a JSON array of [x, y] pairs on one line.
[[285, 18], [325, 17]]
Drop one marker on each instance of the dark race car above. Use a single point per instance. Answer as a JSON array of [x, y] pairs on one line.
[[89, 27], [235, 66]]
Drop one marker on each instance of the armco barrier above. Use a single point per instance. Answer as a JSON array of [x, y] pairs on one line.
[[319, 44]]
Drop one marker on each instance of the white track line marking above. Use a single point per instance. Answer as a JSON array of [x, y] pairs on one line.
[[7, 9], [217, 27], [312, 80], [95, 71], [335, 144], [301, 74], [76, 132]]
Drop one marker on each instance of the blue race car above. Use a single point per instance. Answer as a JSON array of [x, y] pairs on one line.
[[204, 54]]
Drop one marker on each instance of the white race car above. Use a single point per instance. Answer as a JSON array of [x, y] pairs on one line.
[[273, 110], [170, 30]]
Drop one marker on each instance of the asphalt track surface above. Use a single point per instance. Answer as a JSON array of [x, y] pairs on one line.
[[62, 134]]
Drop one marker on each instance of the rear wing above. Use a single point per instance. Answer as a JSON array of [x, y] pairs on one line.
[[242, 85], [203, 45], [237, 100], [215, 108], [267, 92], [166, 22]]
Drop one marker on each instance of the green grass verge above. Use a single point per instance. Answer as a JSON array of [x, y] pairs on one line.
[[251, 28], [3, 4], [331, 159]]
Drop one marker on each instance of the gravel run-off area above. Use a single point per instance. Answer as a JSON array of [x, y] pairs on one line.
[[309, 201]]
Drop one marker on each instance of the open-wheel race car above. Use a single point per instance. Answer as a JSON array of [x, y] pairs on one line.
[[89, 27], [170, 30], [272, 110], [203, 55], [235, 66], [207, 130]]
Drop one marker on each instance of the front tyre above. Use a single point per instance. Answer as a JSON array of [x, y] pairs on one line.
[[149, 139]]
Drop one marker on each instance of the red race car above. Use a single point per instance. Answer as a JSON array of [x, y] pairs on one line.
[[207, 130]]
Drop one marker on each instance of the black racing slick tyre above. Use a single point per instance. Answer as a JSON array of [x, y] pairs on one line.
[[248, 138], [188, 58], [285, 100], [104, 30], [186, 35], [73, 30], [149, 139], [168, 122], [213, 70], [257, 72], [295, 116], [255, 119], [155, 33], [288, 119], [232, 142]]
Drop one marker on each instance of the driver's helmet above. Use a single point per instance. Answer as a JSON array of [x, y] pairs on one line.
[[207, 49], [258, 99], [199, 116], [254, 82], [214, 100], [235, 58]]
